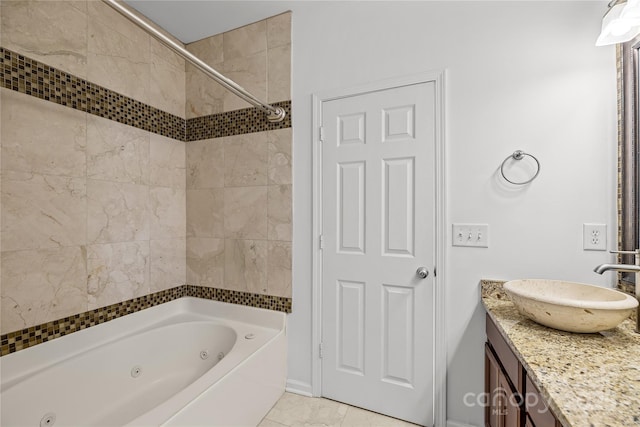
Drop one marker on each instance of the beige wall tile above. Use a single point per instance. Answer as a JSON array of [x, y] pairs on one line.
[[279, 30], [205, 262], [54, 32], [279, 73], [116, 152], [167, 212], [279, 269], [204, 96], [167, 265], [208, 49], [168, 156], [245, 213], [55, 146], [205, 163], [117, 272], [250, 72], [118, 61], [279, 213], [42, 211], [42, 285], [118, 212], [280, 147], [245, 41], [100, 12], [165, 56], [205, 212], [245, 266], [246, 159], [167, 87]]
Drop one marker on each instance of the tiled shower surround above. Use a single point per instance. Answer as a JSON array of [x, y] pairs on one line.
[[100, 207]]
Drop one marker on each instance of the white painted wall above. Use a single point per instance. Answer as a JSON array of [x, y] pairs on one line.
[[520, 75]]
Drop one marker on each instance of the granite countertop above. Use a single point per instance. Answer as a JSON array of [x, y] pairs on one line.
[[588, 380]]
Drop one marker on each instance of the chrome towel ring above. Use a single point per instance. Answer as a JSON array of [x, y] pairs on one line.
[[519, 155]]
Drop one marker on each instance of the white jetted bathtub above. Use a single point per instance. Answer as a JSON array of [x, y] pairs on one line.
[[189, 362]]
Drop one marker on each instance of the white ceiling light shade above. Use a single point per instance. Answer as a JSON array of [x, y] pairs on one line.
[[621, 23]]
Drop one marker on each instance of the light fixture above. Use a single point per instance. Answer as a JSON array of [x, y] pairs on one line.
[[621, 23]]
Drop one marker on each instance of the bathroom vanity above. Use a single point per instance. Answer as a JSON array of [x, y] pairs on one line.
[[541, 377]]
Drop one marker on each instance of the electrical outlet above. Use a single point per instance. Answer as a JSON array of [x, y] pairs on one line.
[[473, 235], [594, 237]]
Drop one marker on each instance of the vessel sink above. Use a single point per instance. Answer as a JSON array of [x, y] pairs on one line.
[[570, 306]]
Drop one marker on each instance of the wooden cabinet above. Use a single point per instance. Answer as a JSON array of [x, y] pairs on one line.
[[512, 398]]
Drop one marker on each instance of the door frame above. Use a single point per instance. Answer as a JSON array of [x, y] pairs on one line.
[[440, 342]]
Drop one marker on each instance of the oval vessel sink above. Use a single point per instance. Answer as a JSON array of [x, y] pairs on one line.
[[570, 306]]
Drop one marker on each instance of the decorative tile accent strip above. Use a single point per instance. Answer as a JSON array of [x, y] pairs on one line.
[[270, 302], [237, 122], [31, 77], [25, 338]]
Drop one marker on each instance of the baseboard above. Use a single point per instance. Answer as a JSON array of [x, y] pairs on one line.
[[299, 387], [457, 424]]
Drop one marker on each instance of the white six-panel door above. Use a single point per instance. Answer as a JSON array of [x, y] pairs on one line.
[[378, 196]]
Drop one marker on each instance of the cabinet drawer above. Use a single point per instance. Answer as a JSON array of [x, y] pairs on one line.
[[536, 407], [508, 360]]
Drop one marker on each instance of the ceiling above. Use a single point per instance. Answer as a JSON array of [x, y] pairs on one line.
[[190, 20]]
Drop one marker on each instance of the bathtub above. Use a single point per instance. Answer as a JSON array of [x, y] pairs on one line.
[[189, 362]]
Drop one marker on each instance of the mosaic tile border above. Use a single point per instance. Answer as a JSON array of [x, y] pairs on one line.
[[31, 77], [34, 78], [29, 337], [237, 122]]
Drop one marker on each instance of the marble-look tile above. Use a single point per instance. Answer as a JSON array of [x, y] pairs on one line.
[[208, 49], [296, 410], [168, 214], [279, 208], [205, 212], [203, 96], [54, 32], [245, 265], [245, 41], [167, 264], [279, 30], [245, 213], [268, 423], [279, 269], [205, 262], [205, 163], [246, 159], [165, 56], [250, 72], [167, 90], [357, 417], [42, 285], [279, 73], [42, 211], [101, 12], [116, 152], [168, 158], [117, 272], [118, 212], [280, 147], [42, 137], [117, 58]]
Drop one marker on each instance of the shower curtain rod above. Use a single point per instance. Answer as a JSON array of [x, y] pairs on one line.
[[274, 114]]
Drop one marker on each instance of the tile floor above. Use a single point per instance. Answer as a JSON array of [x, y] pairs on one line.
[[295, 410]]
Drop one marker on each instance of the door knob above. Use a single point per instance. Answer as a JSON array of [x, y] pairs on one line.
[[422, 272]]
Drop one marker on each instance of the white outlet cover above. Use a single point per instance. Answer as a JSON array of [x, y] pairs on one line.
[[594, 237]]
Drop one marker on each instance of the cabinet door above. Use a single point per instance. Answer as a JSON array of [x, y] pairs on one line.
[[511, 413], [528, 423], [494, 405]]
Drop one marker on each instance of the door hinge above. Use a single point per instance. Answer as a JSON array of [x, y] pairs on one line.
[[321, 240], [321, 133], [320, 350]]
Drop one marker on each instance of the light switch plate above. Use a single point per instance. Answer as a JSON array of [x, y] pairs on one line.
[[594, 237], [472, 235]]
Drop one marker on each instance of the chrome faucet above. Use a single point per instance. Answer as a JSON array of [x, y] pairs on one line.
[[626, 268]]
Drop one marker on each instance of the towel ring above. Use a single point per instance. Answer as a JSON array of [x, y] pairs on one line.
[[519, 155]]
